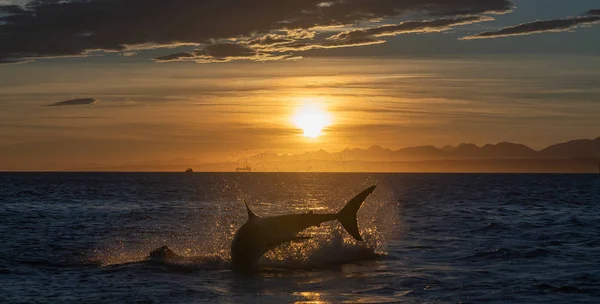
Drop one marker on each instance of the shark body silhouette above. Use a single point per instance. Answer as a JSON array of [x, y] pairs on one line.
[[259, 235]]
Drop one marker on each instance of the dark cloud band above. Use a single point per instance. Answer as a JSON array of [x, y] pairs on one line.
[[51, 28]]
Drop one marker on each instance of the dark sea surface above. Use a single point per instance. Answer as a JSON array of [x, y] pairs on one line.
[[429, 238]]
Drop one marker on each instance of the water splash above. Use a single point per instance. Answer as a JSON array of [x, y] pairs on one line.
[[202, 237]]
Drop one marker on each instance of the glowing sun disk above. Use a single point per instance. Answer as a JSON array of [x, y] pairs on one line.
[[311, 119]]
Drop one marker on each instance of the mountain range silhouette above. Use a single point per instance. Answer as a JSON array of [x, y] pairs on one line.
[[576, 156], [581, 148]]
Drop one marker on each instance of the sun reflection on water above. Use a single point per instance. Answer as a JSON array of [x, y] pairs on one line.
[[311, 297]]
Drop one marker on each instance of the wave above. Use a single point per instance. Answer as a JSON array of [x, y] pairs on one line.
[[506, 253], [165, 256], [559, 289], [322, 252]]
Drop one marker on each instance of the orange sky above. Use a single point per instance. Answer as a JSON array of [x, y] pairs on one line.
[[211, 113]]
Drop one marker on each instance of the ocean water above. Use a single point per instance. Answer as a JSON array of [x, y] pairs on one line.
[[429, 238]]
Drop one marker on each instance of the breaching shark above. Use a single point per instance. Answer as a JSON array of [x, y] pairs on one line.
[[261, 234]]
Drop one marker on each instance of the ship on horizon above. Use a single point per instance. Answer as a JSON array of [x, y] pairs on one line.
[[245, 168], [189, 170]]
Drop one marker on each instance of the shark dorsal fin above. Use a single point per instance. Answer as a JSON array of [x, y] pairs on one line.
[[251, 214]]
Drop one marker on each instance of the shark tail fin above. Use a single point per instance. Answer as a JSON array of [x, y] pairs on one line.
[[251, 215], [347, 216]]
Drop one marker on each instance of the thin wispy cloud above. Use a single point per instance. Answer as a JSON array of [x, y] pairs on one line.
[[541, 26], [408, 27], [593, 12], [74, 102]]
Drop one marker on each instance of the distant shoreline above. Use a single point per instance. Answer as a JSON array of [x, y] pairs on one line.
[[576, 156], [569, 165]]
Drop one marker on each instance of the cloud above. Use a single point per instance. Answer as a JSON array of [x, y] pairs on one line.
[[176, 57], [286, 36], [408, 27], [270, 39], [14, 61], [372, 36], [74, 102], [270, 46], [540, 26], [300, 34], [593, 12], [10, 9], [224, 50], [220, 52], [49, 28]]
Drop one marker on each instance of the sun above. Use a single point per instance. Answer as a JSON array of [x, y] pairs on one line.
[[311, 118]]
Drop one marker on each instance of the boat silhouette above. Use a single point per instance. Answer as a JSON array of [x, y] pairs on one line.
[[243, 169]]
